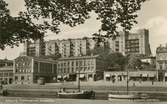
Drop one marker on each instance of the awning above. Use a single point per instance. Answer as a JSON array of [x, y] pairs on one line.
[[59, 76], [113, 75], [65, 76], [107, 75], [144, 75], [151, 75], [165, 74], [134, 75], [81, 75]]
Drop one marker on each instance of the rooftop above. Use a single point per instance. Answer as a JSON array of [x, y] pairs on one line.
[[161, 49], [78, 57]]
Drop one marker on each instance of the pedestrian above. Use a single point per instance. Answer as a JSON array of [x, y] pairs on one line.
[[134, 84], [152, 82]]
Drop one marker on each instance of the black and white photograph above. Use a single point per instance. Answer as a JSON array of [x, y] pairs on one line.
[[83, 52]]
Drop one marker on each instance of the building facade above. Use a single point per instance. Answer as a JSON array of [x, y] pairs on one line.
[[86, 68], [72, 47], [6, 62], [161, 62], [120, 76], [34, 48], [6, 71], [28, 70], [52, 47], [6, 74], [129, 43], [132, 43]]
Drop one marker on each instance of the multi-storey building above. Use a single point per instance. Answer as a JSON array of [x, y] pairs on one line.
[[28, 70], [6, 74], [52, 47], [119, 76], [132, 43], [129, 43], [34, 48], [71, 47], [5, 62], [6, 71], [85, 67], [161, 62]]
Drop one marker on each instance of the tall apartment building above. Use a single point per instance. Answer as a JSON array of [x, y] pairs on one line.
[[132, 43], [70, 47], [52, 47], [34, 48], [67, 48]]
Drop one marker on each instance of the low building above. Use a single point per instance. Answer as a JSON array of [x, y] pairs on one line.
[[6, 74], [161, 62], [28, 70], [149, 60], [84, 67], [6, 71], [5, 62], [116, 76]]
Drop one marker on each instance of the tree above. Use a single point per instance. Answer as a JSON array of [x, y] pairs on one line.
[[101, 48], [53, 52], [15, 29], [112, 13], [134, 62], [115, 61]]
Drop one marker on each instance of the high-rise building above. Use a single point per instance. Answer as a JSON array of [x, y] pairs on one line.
[[34, 48], [52, 47], [132, 43], [71, 47]]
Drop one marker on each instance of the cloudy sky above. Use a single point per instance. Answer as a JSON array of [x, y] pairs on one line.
[[152, 16]]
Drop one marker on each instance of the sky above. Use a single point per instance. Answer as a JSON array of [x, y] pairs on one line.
[[152, 16]]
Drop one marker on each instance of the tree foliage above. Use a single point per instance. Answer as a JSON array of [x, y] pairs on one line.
[[134, 62], [111, 13], [14, 30], [53, 52], [115, 61]]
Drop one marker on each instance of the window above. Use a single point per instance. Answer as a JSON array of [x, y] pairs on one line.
[[22, 77], [5, 74], [28, 77], [72, 63], [1, 74], [160, 66], [10, 74], [76, 63], [72, 69], [16, 78]]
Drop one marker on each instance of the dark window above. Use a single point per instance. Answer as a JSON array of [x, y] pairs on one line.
[[22, 77], [16, 78], [72, 63], [28, 77]]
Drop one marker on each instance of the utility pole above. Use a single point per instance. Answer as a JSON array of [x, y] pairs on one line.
[[79, 79], [127, 87]]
